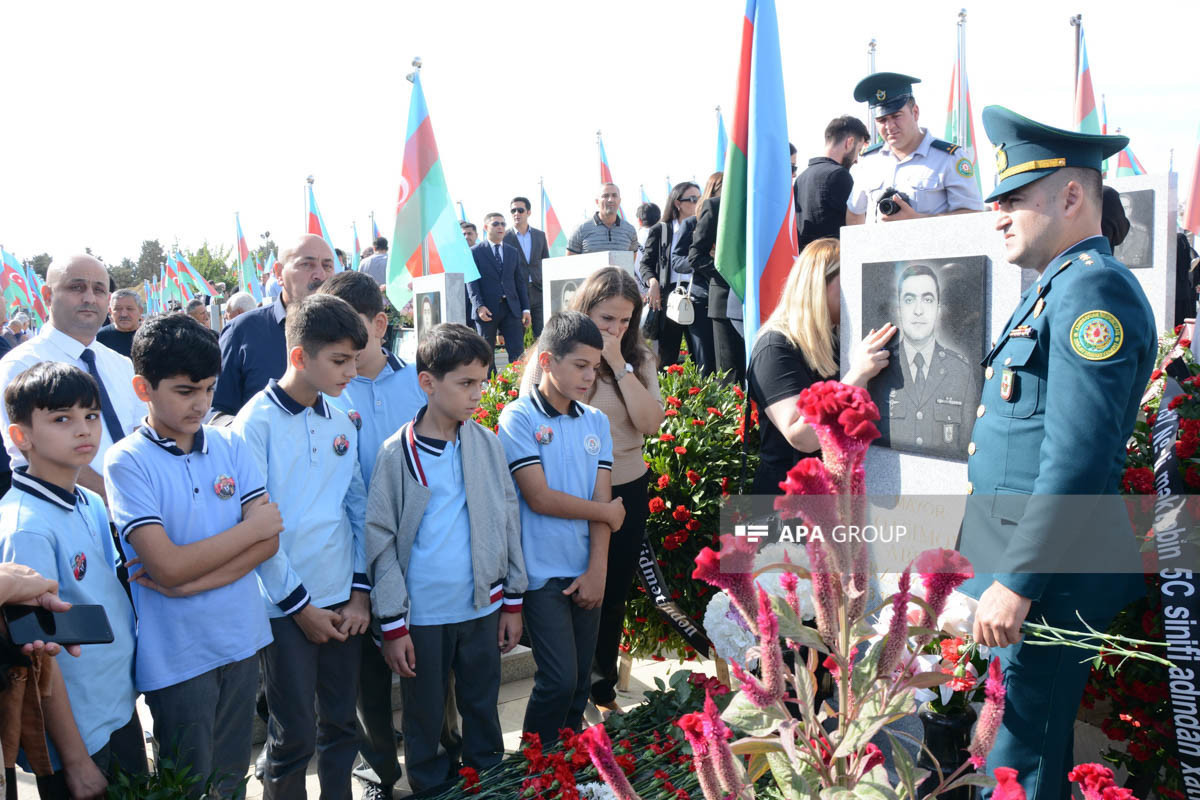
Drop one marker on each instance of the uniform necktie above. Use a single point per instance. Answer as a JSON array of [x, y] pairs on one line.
[[498, 257], [107, 411], [919, 372]]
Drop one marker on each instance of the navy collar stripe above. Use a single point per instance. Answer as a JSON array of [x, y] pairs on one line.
[[45, 490], [543, 405], [394, 361], [199, 443], [287, 403]]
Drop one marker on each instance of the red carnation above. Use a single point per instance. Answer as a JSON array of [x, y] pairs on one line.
[[663, 481], [670, 412], [470, 777], [693, 524], [667, 437], [1138, 480], [693, 476], [674, 402], [716, 412], [681, 450], [656, 505], [694, 390], [675, 369], [1176, 402], [697, 422], [681, 514]]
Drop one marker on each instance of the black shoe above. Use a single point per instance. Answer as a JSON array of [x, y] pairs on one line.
[[375, 791], [260, 764]]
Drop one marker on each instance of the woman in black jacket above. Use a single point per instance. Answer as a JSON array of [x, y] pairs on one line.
[[665, 267], [729, 348]]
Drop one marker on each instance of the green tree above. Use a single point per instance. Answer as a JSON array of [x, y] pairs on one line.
[[39, 264], [151, 261], [125, 274], [215, 264], [265, 248]]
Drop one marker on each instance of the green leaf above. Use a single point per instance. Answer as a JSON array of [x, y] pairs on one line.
[[970, 779], [863, 674], [906, 769], [793, 784], [756, 744], [751, 719], [870, 720], [791, 626], [662, 687], [875, 786], [837, 793]]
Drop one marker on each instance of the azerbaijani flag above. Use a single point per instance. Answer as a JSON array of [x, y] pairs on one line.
[[12, 282], [192, 276], [151, 299], [964, 139], [462, 212], [34, 284], [1087, 119], [722, 142], [374, 229], [606, 171], [645, 197], [247, 272], [176, 288], [555, 236], [354, 259], [1191, 221], [756, 232], [316, 225], [269, 267], [1128, 164], [424, 211]]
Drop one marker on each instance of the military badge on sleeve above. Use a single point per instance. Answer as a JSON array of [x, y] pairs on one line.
[[1096, 335], [964, 168]]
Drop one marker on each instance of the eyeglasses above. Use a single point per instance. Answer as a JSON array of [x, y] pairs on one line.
[[695, 199], [496, 223], [518, 211]]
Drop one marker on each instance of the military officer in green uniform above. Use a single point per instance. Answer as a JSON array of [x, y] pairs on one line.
[[1059, 399], [937, 177], [928, 392]]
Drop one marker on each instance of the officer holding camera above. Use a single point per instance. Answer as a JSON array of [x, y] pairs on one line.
[[910, 174]]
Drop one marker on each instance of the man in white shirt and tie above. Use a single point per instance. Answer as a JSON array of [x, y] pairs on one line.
[[78, 288], [928, 393]]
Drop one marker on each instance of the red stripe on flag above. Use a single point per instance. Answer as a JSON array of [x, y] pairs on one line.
[[775, 273], [420, 154], [1085, 98], [741, 118], [314, 224]]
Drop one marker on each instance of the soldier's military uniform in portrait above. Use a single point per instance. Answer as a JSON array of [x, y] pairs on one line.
[[926, 406]]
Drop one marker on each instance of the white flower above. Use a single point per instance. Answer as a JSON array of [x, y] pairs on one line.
[[595, 791], [769, 581], [730, 637]]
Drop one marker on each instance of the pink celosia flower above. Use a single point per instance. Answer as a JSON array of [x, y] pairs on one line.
[[990, 717], [595, 740], [730, 570], [826, 591], [1007, 787], [769, 650], [718, 736], [693, 726], [1096, 782], [897, 633], [942, 571]]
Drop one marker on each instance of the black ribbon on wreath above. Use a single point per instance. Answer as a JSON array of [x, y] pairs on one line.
[[656, 587], [1177, 559]]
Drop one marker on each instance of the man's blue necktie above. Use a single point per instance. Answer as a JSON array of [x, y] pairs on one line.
[[106, 407]]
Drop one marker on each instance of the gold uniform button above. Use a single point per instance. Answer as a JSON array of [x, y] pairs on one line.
[[979, 411], [971, 449], [988, 373], [970, 488]]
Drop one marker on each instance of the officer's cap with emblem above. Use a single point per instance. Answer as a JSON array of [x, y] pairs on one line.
[[1027, 151], [885, 92]]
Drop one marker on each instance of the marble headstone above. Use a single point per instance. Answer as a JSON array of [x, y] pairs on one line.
[[562, 277], [959, 237], [438, 298]]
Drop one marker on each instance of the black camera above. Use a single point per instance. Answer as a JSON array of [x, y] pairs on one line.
[[887, 204]]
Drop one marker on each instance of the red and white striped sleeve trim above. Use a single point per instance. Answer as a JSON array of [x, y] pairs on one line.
[[512, 603], [394, 628]]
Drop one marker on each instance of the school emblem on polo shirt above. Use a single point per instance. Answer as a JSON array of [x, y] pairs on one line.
[[356, 418], [79, 565], [591, 443], [224, 486], [544, 435], [341, 444]]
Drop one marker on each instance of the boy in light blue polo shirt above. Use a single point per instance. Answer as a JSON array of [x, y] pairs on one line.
[[190, 504], [382, 397], [61, 531], [444, 553], [560, 454], [315, 586]]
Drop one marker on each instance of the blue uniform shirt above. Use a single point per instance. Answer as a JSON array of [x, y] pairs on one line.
[[65, 537], [570, 448], [193, 496], [379, 406], [253, 351], [310, 459], [440, 575]]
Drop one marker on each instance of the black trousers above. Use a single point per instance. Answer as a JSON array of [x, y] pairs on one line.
[[509, 326], [729, 351], [699, 336], [623, 549]]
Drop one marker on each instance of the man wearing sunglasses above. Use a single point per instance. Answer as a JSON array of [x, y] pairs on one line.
[[500, 297], [531, 246]]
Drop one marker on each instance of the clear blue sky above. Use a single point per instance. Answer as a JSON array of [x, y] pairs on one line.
[[127, 121]]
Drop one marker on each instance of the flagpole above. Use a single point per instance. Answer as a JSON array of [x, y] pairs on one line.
[[871, 71], [372, 231], [308, 182], [600, 154], [412, 77], [963, 119], [542, 200], [1077, 24]]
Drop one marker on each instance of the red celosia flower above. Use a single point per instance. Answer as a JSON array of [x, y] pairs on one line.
[[1096, 783], [656, 505], [844, 419], [681, 450], [873, 757], [595, 740], [730, 570], [1007, 786]]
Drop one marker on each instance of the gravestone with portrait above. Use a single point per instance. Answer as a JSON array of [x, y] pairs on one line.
[[945, 283], [438, 298], [562, 277], [1149, 247]]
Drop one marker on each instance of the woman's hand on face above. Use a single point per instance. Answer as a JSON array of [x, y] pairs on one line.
[[612, 352], [869, 357]]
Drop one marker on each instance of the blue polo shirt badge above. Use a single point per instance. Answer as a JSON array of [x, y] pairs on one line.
[[224, 486], [341, 444], [543, 435], [356, 418], [79, 565], [591, 443]]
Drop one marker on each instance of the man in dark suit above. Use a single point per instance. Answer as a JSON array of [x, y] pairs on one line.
[[500, 298], [532, 247]]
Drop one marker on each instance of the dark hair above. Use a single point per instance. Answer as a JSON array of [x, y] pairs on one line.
[[1090, 180], [791, 149], [615, 282], [671, 213], [175, 344], [566, 330], [448, 346], [380, 244], [194, 303], [49, 385], [321, 320], [648, 214], [841, 127], [492, 215], [712, 188], [918, 269], [464, 225], [358, 289], [525, 200]]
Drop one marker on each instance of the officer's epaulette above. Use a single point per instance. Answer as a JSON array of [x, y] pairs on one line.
[[871, 149], [945, 147]]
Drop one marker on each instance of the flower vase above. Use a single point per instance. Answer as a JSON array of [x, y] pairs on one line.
[[946, 737]]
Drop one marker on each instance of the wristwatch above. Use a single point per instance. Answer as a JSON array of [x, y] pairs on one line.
[[627, 371]]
